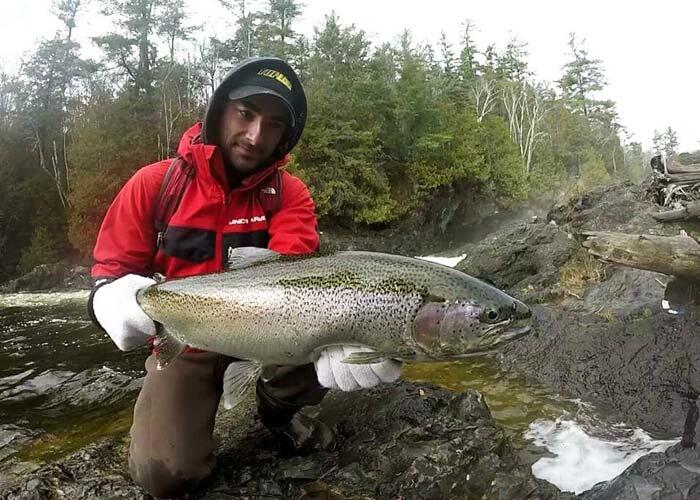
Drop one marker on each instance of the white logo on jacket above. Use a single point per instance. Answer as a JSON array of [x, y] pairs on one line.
[[240, 222], [268, 190]]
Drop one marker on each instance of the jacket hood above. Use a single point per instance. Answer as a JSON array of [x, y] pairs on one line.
[[238, 77]]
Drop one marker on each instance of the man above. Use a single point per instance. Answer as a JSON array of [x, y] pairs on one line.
[[238, 154]]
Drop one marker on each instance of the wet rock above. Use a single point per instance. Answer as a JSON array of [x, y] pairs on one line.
[[673, 475], [62, 388], [610, 208], [396, 441], [12, 437], [50, 277], [401, 440], [44, 383], [520, 255], [610, 344], [98, 386], [636, 360]]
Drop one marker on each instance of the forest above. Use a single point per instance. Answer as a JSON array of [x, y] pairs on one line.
[[389, 124]]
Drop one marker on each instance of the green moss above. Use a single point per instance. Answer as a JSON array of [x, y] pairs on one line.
[[692, 228], [74, 435], [514, 403], [607, 313]]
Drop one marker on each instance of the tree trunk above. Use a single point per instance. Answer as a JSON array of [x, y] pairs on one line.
[[674, 255]]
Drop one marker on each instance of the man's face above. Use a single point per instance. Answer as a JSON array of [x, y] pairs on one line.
[[250, 129]]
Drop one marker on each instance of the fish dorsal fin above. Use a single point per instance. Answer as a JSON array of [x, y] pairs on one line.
[[242, 257], [167, 347], [237, 378]]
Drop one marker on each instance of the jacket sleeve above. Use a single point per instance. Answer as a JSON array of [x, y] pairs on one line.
[[126, 242], [294, 229]]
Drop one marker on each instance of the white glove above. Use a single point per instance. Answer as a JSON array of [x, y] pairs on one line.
[[115, 308], [334, 374]]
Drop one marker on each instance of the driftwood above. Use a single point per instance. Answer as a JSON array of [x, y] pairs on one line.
[[676, 168], [686, 178], [688, 211], [673, 185], [674, 255]]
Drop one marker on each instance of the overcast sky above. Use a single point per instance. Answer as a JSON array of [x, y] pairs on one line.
[[649, 50]]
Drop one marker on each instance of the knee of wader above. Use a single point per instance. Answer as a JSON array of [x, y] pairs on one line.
[[165, 481]]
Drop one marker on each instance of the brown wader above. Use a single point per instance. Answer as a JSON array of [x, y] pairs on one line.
[[171, 438]]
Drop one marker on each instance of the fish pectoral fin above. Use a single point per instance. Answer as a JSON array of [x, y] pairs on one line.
[[237, 378], [242, 257], [167, 347], [366, 358]]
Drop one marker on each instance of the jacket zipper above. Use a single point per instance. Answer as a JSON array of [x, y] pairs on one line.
[[221, 224]]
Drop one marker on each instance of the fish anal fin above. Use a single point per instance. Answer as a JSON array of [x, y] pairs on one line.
[[366, 358], [166, 347], [238, 377]]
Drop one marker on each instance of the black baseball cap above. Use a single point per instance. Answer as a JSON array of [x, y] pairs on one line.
[[256, 76], [267, 81]]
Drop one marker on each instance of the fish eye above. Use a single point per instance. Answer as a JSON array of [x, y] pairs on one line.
[[490, 315]]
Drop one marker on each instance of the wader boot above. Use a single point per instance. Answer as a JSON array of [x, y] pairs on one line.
[[280, 396]]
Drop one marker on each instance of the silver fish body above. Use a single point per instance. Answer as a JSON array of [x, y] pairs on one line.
[[282, 310]]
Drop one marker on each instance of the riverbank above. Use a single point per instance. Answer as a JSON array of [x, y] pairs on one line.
[[600, 337]]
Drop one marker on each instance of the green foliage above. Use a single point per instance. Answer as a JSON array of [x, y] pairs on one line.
[[582, 78], [42, 250], [691, 158], [665, 142], [17, 197], [593, 172], [389, 128], [110, 141], [502, 159], [636, 168]]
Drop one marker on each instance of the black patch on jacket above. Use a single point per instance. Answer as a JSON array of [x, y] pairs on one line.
[[195, 245], [230, 241]]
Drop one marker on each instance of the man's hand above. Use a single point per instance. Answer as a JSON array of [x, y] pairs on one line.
[[334, 374], [116, 310]]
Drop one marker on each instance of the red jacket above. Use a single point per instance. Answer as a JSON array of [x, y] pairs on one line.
[[209, 222]]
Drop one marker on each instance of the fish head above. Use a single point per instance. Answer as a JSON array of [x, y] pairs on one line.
[[457, 327]]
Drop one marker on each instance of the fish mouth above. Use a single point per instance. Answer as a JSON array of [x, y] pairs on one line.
[[497, 334], [515, 333], [494, 338]]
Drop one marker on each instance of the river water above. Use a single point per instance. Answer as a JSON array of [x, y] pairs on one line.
[[63, 384]]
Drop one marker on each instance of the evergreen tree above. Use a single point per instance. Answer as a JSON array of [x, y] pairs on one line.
[[275, 34], [133, 47], [583, 77], [511, 65]]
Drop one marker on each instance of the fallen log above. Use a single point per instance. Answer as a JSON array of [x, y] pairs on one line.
[[676, 168], [673, 255], [687, 178], [688, 211]]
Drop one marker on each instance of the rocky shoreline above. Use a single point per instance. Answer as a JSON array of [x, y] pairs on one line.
[[401, 440], [59, 276], [601, 336]]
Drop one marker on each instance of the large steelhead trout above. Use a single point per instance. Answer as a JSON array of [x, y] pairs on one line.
[[274, 310]]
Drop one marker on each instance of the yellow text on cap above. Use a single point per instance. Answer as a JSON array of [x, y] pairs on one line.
[[271, 73]]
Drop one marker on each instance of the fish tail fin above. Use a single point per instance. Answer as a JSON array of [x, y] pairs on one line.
[[239, 376], [166, 347]]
